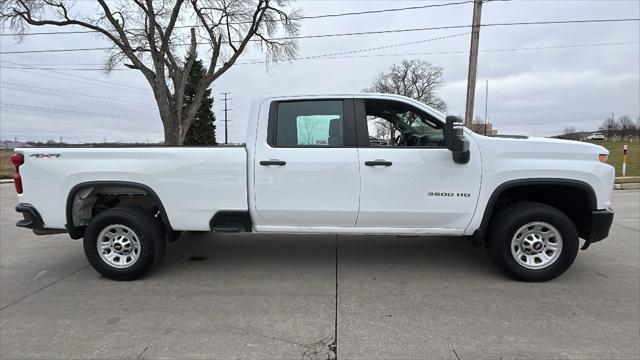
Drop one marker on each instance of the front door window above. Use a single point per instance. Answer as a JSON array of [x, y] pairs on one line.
[[396, 124]]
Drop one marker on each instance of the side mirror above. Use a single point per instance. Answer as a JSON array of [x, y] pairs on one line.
[[455, 141]]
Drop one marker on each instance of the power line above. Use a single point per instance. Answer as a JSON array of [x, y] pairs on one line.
[[64, 111], [83, 79], [446, 52], [61, 93], [40, 66], [65, 64], [390, 46], [375, 32], [336, 55], [312, 17], [467, 51]]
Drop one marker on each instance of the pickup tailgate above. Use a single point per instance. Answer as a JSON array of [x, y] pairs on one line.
[[193, 183]]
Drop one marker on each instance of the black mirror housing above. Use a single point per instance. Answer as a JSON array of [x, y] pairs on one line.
[[455, 141]]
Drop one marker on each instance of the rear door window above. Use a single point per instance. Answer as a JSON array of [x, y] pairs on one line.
[[310, 123]]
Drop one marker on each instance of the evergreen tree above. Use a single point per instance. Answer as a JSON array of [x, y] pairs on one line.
[[203, 129]]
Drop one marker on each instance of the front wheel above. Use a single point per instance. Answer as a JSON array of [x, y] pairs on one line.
[[123, 243], [532, 241]]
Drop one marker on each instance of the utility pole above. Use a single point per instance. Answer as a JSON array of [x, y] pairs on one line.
[[473, 62], [486, 106], [226, 138]]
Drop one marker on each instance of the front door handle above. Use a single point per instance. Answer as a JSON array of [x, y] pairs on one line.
[[273, 162], [378, 162]]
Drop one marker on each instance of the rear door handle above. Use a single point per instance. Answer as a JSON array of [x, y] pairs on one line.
[[273, 162], [378, 162]]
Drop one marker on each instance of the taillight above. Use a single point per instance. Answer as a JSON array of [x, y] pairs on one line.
[[17, 160]]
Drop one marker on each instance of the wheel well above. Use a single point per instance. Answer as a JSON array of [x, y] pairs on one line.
[[88, 199], [575, 199]]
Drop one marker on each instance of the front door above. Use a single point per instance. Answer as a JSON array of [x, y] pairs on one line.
[[408, 177], [306, 170]]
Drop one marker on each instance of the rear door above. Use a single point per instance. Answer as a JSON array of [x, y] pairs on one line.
[[306, 166], [408, 177]]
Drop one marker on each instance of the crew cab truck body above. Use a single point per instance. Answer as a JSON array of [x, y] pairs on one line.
[[339, 164]]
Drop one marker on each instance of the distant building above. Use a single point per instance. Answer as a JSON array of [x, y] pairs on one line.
[[479, 128]]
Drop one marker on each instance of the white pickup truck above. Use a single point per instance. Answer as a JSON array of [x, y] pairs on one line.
[[328, 164]]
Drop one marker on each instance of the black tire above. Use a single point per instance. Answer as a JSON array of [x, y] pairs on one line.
[[508, 221], [148, 231]]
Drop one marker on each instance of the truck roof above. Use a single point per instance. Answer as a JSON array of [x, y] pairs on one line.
[[258, 100]]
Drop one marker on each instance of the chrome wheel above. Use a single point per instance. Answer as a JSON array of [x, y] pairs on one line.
[[118, 246], [536, 245]]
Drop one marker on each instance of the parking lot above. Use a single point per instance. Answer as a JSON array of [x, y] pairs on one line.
[[301, 297]]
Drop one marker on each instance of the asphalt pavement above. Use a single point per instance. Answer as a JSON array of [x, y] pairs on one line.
[[317, 297]]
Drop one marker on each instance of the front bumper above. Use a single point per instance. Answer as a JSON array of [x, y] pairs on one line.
[[32, 220], [601, 221]]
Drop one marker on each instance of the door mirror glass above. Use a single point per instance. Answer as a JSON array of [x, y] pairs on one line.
[[455, 141]]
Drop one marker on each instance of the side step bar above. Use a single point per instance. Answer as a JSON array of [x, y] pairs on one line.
[[231, 222]]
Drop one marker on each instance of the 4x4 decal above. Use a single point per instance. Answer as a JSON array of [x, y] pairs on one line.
[[40, 156]]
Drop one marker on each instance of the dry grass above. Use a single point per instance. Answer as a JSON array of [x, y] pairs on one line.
[[6, 168], [616, 155]]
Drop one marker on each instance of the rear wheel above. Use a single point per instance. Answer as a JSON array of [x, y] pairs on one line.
[[123, 243], [532, 241]]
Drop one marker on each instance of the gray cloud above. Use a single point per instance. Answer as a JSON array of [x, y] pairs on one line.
[[536, 92]]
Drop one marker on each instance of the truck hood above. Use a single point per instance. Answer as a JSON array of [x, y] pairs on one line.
[[541, 148], [571, 145]]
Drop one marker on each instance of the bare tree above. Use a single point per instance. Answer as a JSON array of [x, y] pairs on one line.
[[151, 35], [417, 79], [309, 128], [385, 130], [478, 125], [570, 133], [382, 131], [626, 126], [610, 125]]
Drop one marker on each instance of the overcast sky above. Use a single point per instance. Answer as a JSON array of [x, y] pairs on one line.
[[534, 92]]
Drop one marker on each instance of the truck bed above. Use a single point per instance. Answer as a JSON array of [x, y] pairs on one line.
[[193, 182]]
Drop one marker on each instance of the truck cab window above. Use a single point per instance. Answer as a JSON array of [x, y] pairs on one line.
[[396, 124], [309, 123]]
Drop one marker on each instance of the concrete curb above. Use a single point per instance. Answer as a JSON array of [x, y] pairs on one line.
[[626, 186], [626, 183], [627, 179]]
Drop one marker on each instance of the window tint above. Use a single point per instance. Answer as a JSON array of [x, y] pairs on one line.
[[396, 124], [309, 123]]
